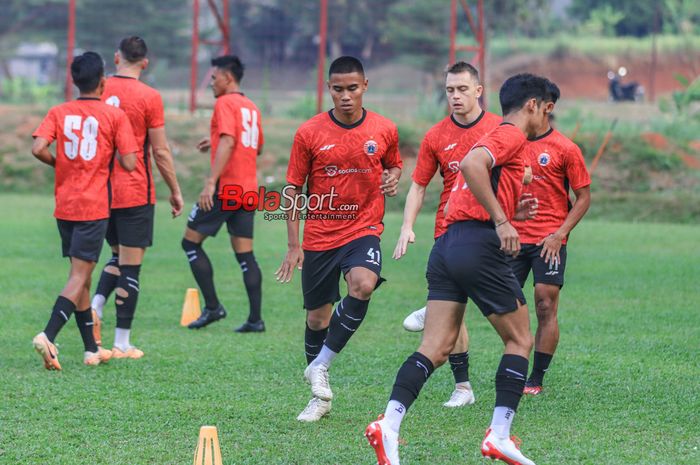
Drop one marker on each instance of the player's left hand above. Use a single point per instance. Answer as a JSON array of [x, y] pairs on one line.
[[176, 204], [390, 184], [550, 248], [206, 197], [527, 208]]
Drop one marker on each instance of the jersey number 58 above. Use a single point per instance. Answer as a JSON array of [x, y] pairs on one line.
[[87, 146], [250, 133]]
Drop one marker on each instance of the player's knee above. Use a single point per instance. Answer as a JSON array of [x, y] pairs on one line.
[[362, 289], [545, 309], [437, 351], [189, 246], [317, 322]]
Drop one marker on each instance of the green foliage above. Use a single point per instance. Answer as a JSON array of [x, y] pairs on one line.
[[27, 91], [303, 108], [602, 21]]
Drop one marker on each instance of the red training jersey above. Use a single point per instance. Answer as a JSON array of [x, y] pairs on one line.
[[505, 145], [144, 107], [349, 160], [237, 116], [443, 147], [87, 133], [557, 165]]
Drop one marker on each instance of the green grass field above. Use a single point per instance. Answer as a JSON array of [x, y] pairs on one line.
[[623, 388]]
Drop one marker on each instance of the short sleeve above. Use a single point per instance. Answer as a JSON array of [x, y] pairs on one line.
[[504, 144], [124, 137], [227, 118], [427, 163], [155, 114], [576, 171], [392, 157], [299, 162], [48, 129]]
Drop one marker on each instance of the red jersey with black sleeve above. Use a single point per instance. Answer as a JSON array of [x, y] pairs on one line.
[[87, 133], [144, 107], [237, 116], [347, 160], [505, 145], [443, 147], [557, 165]]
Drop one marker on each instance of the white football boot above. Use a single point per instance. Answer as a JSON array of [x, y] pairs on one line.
[[415, 322], [384, 441], [506, 450], [316, 374], [461, 396], [315, 410]]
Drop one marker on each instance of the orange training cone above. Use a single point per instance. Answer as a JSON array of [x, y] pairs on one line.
[[208, 451], [190, 309]]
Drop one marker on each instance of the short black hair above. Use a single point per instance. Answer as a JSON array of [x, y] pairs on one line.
[[87, 70], [230, 63], [553, 92], [346, 65], [133, 49], [463, 67], [519, 89]]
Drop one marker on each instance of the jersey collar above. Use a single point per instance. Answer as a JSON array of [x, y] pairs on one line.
[[533, 139], [348, 126], [88, 98], [467, 126], [123, 77]]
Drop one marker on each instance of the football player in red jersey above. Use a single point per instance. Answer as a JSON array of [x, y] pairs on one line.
[[443, 147], [557, 166], [353, 153], [130, 228], [87, 134], [236, 141], [470, 261]]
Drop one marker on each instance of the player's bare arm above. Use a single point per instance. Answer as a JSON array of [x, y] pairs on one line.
[[414, 203], [390, 181], [475, 169], [127, 161], [552, 243], [166, 167], [40, 149], [223, 153], [295, 255]]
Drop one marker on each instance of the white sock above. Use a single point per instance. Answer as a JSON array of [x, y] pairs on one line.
[[325, 357], [121, 338], [98, 303], [394, 415], [465, 386], [501, 421]]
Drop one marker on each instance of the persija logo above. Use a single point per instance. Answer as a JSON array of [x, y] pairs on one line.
[[234, 198]]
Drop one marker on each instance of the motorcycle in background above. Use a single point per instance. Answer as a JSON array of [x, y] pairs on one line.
[[621, 92]]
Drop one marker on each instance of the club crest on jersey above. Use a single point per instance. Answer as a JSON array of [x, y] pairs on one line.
[[371, 147], [543, 159], [453, 166], [331, 170]]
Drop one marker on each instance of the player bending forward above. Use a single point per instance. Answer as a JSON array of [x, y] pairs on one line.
[[469, 261]]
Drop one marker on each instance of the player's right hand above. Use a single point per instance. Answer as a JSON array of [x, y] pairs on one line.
[[293, 259], [406, 237], [510, 241], [176, 204], [204, 145]]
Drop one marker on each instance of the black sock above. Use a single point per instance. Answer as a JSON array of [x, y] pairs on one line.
[[539, 368], [410, 379], [127, 295], [62, 310], [84, 321], [313, 342], [347, 317], [252, 278], [202, 271], [459, 363], [108, 281], [510, 381]]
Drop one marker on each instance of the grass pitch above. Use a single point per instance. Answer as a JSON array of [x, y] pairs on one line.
[[623, 387]]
